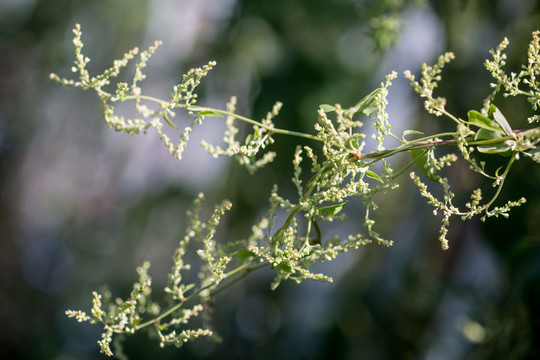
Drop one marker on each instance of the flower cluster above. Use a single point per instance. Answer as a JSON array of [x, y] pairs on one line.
[[431, 75], [511, 83], [246, 154]]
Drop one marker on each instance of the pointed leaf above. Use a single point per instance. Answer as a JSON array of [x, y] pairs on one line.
[[479, 120], [331, 210], [500, 119], [169, 121], [371, 174], [210, 113], [327, 108], [367, 105], [244, 254], [408, 132]]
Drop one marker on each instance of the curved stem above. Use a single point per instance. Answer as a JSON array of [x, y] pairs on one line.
[[376, 155], [195, 108], [503, 177], [254, 122]]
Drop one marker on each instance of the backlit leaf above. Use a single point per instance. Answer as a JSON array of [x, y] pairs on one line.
[[245, 254], [499, 118], [503, 148], [479, 120], [367, 105], [331, 210], [327, 108], [371, 174], [210, 113]]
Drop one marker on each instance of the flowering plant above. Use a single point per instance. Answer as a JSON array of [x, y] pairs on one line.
[[341, 171]]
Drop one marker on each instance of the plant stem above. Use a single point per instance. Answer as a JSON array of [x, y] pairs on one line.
[[254, 122], [503, 177], [376, 155], [427, 142], [245, 269]]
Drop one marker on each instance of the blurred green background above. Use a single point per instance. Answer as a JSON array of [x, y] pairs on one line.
[[81, 206]]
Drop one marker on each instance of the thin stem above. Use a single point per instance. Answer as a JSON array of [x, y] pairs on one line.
[[270, 129], [145, 97], [503, 177], [409, 145], [254, 122], [376, 155], [308, 189], [133, 97], [398, 174], [455, 119], [245, 269], [425, 142]]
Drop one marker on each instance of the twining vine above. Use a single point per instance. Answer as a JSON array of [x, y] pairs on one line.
[[343, 171]]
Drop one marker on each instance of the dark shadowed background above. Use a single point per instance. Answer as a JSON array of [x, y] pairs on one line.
[[81, 206]]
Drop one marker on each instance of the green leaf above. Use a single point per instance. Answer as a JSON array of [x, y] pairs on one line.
[[283, 267], [210, 113], [409, 132], [503, 148], [371, 174], [421, 157], [188, 287], [169, 121], [245, 254], [499, 118], [479, 120], [331, 210], [367, 105], [327, 108]]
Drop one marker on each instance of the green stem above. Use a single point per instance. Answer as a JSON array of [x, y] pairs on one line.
[[309, 188], [376, 155], [398, 174], [503, 176], [245, 272], [146, 97], [427, 142], [245, 269], [217, 111], [409, 145], [254, 122]]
